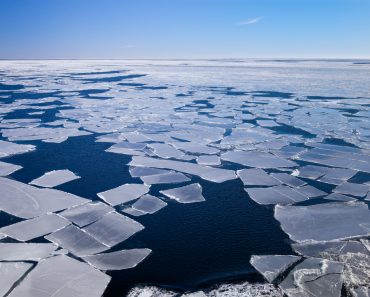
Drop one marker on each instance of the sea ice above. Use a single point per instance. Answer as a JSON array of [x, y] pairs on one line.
[[62, 276], [10, 272], [54, 178], [149, 204], [26, 251], [119, 260], [10, 148], [256, 177], [7, 168], [170, 177], [186, 194], [124, 193]]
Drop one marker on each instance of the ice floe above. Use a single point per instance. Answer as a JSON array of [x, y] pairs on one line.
[[124, 193], [186, 194], [10, 272], [54, 178], [7, 169]]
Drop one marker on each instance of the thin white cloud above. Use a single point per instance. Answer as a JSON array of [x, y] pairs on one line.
[[250, 21]]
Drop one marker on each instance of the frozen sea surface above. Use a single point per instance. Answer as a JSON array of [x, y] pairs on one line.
[[185, 174]]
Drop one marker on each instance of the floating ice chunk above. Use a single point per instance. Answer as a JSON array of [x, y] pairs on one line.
[[186, 194], [256, 177], [165, 151], [54, 178], [314, 278], [288, 179], [165, 178], [209, 173], [87, 213], [257, 159], [113, 228], [127, 148], [271, 266], [339, 197], [133, 212], [358, 190], [310, 191], [124, 193], [319, 249], [145, 171], [324, 222], [209, 160], [62, 276], [149, 204], [10, 272], [7, 169], [55, 140], [275, 195], [25, 251], [36, 227], [195, 148], [267, 123], [311, 171], [77, 241], [10, 148], [119, 260], [26, 201]]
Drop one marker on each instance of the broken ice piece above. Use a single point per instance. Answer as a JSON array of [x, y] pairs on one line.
[[271, 266], [87, 213], [256, 177], [275, 195], [7, 168], [310, 191], [314, 278], [186, 194], [358, 190], [10, 272], [25, 251], [36, 227], [339, 197], [76, 241], [124, 193], [113, 228], [119, 260], [145, 171], [288, 179], [10, 148], [209, 160], [62, 276], [170, 177], [149, 204], [54, 178], [324, 222]]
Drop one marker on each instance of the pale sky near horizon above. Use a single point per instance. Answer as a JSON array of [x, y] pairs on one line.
[[160, 29]]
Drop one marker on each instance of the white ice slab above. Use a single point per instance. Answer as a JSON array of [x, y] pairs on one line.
[[10, 272], [271, 266], [288, 179], [62, 276], [165, 178], [36, 227], [206, 172], [256, 177], [358, 190], [87, 213], [119, 260], [113, 228], [54, 178], [275, 195], [77, 241], [209, 160], [149, 204], [25, 251], [7, 168], [124, 193], [10, 148], [324, 222], [186, 194], [26, 201]]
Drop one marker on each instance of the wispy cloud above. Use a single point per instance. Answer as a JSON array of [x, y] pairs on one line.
[[250, 21]]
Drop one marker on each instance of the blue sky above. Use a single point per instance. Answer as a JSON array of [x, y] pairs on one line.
[[47, 29]]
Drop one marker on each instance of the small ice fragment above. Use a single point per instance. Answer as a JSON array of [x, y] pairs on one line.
[[10, 272], [165, 178], [145, 171], [36, 227], [209, 160], [256, 177], [25, 251], [124, 193], [87, 213], [119, 260], [62, 276], [113, 228], [324, 222], [10, 148], [149, 204], [186, 194], [76, 241], [7, 168], [54, 178], [288, 179], [358, 190], [271, 266]]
